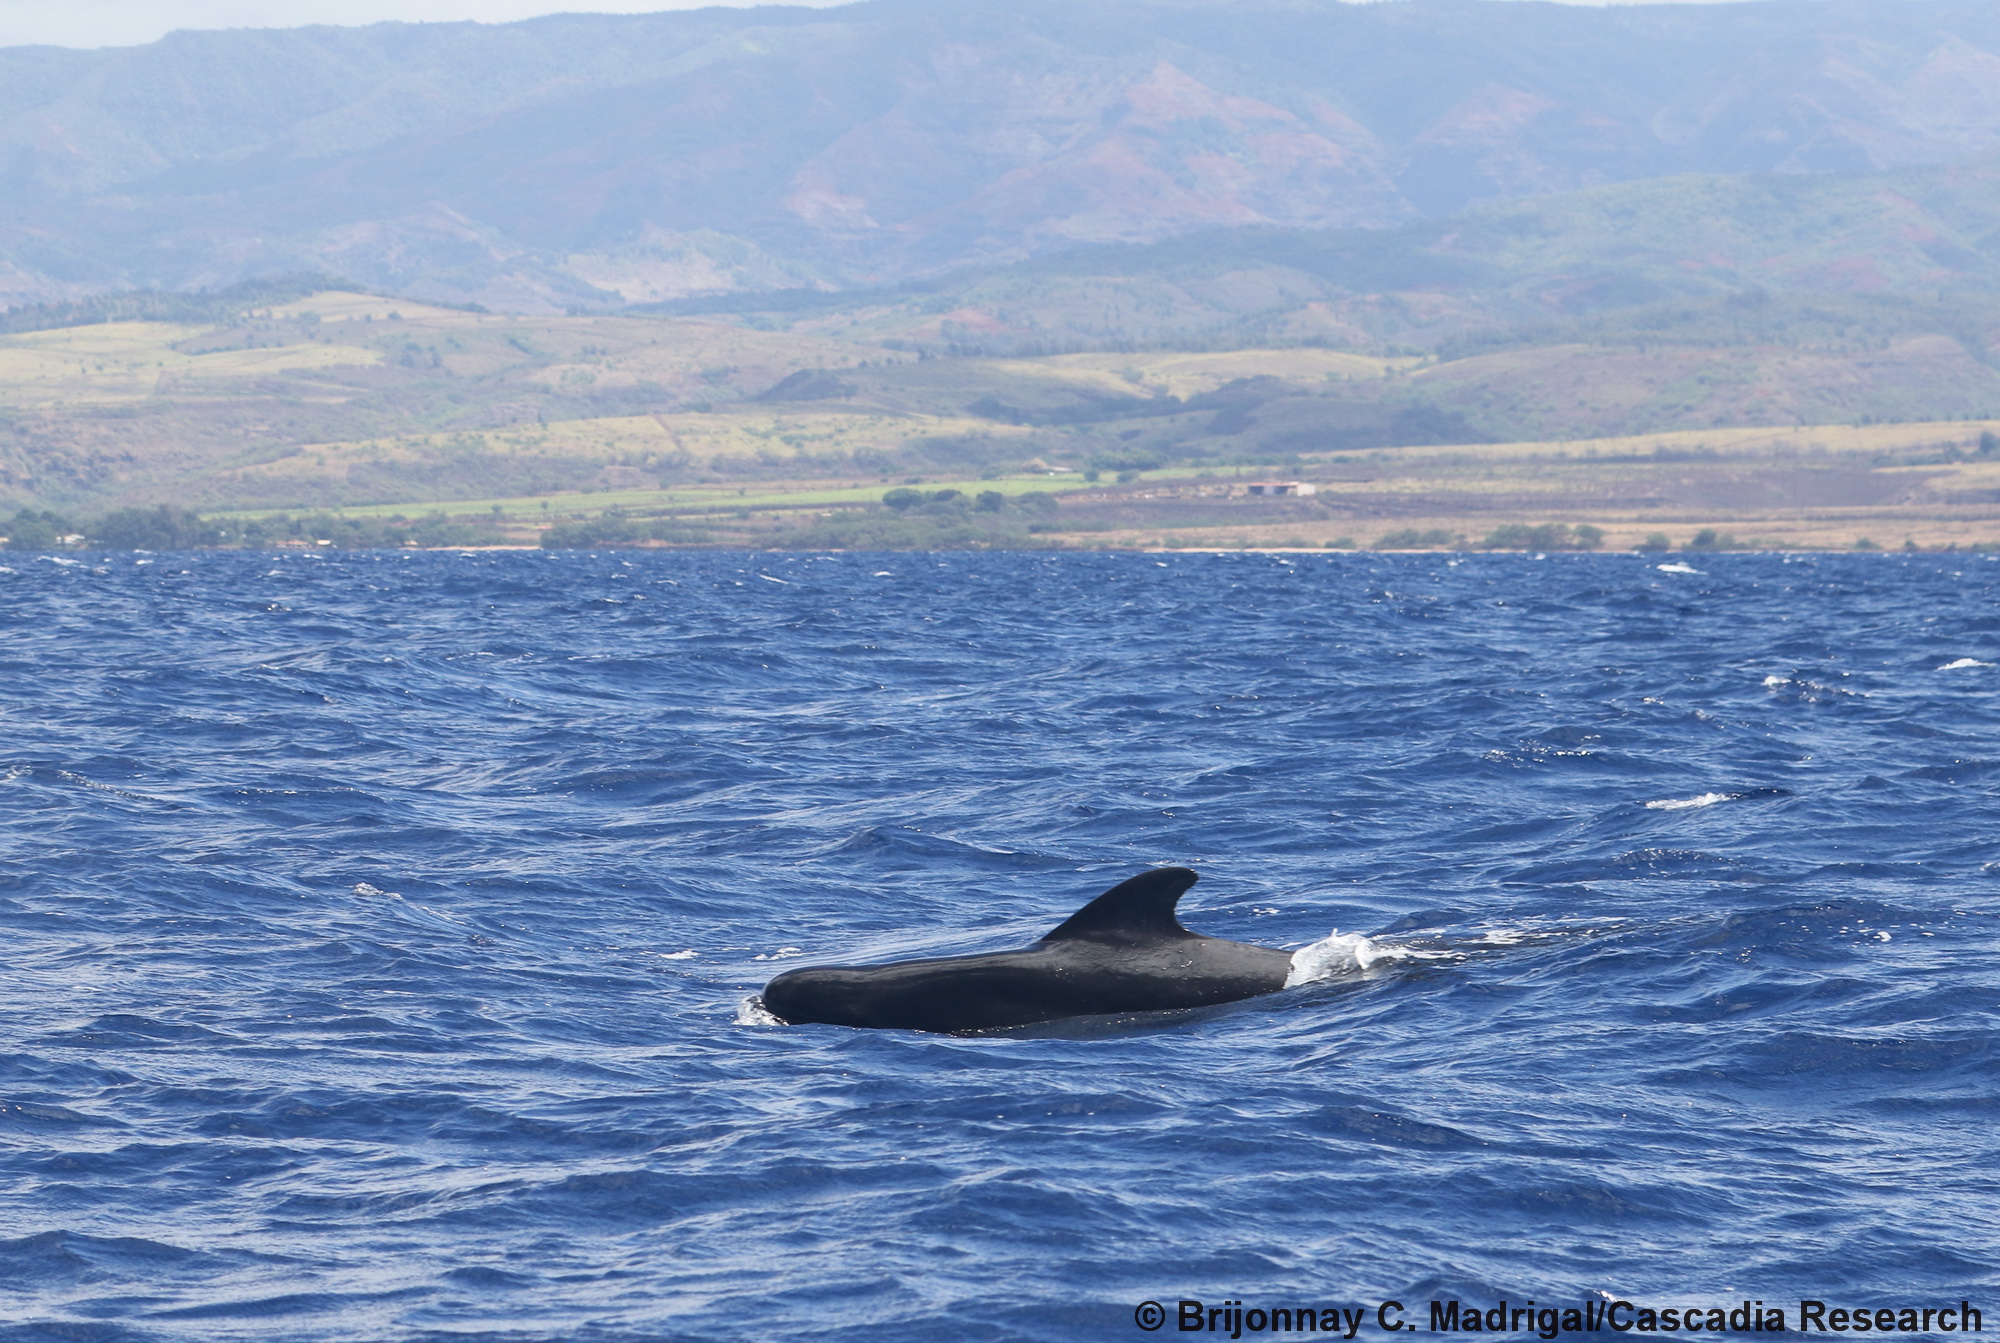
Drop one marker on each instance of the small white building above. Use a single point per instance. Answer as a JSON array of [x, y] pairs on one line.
[[1299, 487]]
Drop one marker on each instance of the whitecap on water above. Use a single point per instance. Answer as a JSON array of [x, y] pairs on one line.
[[752, 1012], [1677, 569], [1689, 803], [1335, 954], [1963, 663]]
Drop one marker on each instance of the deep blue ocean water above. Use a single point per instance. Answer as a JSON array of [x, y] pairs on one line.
[[379, 928]]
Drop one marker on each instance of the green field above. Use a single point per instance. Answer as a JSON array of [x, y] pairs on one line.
[[698, 498], [1827, 487], [347, 405]]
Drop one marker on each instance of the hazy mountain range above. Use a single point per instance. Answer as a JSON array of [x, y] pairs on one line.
[[597, 161]]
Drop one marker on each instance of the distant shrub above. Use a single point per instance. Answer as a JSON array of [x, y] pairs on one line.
[[1547, 536], [902, 498], [1989, 443], [168, 527], [1131, 459], [1863, 543], [1036, 501], [1341, 543], [1409, 538], [1655, 543], [163, 528], [1710, 539], [611, 532], [36, 531], [990, 501], [351, 533]]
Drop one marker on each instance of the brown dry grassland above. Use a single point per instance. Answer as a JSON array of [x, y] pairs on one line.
[[1816, 488]]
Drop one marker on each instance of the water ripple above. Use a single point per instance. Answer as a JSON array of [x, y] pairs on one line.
[[380, 927]]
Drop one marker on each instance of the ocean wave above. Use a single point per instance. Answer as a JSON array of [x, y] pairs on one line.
[[1690, 803], [384, 935]]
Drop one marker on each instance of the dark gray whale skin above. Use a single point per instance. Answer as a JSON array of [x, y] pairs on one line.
[[1123, 952]]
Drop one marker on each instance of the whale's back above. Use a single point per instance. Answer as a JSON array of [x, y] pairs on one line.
[[1123, 952]]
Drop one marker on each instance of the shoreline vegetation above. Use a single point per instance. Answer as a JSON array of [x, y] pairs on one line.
[[302, 415], [909, 520]]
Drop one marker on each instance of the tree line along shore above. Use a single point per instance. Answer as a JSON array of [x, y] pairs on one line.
[[907, 519]]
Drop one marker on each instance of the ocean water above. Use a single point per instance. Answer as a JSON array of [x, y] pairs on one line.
[[380, 931]]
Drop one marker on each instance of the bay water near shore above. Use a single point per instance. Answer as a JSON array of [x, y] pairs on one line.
[[384, 928]]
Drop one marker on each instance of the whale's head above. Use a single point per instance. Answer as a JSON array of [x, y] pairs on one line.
[[946, 993], [813, 993]]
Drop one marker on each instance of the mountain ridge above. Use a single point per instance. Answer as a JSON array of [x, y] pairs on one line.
[[598, 160]]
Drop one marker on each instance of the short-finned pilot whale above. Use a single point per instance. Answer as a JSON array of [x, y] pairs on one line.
[[1123, 952]]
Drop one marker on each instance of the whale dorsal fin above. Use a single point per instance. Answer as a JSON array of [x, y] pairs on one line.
[[1139, 910]]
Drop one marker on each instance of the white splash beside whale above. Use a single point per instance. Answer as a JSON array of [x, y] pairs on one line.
[[1332, 956]]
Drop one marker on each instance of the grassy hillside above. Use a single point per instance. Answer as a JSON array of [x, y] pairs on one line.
[[1164, 241], [1825, 262], [346, 399], [1933, 486], [145, 411]]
